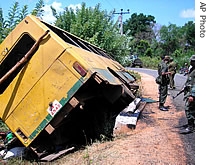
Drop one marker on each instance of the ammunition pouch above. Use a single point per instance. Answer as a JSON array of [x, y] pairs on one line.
[[158, 80], [162, 80]]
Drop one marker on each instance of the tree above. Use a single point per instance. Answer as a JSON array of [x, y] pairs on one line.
[[2, 26], [12, 20], [23, 13], [170, 38], [38, 10], [16, 15], [65, 19], [173, 39], [94, 26], [140, 26], [189, 32], [141, 47], [141, 29]]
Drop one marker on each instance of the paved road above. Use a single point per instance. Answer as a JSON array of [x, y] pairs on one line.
[[179, 82], [189, 139]]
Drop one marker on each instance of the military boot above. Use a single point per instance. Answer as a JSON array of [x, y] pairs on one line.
[[162, 107], [189, 129]]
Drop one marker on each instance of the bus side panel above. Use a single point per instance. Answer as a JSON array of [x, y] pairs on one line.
[[89, 60], [31, 113], [46, 54]]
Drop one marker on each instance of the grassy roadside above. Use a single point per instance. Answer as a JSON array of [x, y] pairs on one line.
[[84, 156]]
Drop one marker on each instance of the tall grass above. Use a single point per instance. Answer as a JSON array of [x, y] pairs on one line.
[[3, 126], [149, 62], [152, 63]]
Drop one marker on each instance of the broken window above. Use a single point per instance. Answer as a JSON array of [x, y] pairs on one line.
[[16, 53]]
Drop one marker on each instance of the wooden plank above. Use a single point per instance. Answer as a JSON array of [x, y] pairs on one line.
[[130, 115], [53, 156]]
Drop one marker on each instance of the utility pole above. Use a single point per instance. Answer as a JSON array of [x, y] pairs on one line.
[[120, 19]]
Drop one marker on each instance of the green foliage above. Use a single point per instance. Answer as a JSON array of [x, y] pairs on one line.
[[23, 13], [13, 16], [189, 31], [177, 53], [139, 23], [148, 52], [2, 26], [182, 58], [149, 62], [170, 38], [38, 10], [65, 20], [142, 36], [179, 59], [3, 126], [136, 75], [16, 15], [140, 27], [142, 47], [96, 27], [13, 19]]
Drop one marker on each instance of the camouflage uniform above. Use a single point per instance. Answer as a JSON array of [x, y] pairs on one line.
[[189, 91], [163, 87], [172, 69]]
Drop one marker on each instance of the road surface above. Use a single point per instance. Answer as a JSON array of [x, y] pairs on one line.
[[179, 82], [189, 139]]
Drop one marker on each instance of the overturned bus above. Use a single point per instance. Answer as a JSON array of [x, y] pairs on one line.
[[57, 89]]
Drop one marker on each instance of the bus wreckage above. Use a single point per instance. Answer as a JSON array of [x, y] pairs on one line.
[[57, 90]]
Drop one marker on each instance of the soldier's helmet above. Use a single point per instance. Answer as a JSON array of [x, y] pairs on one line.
[[192, 58], [167, 58]]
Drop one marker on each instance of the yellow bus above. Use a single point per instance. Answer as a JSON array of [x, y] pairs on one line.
[[56, 88]]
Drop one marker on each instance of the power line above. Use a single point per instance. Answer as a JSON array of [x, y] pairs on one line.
[[124, 3], [110, 4], [120, 18]]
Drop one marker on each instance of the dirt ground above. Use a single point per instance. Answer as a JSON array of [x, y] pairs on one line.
[[155, 140]]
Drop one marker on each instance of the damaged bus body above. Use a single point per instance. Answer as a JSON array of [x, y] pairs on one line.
[[57, 89]]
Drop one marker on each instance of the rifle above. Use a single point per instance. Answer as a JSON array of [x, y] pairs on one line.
[[180, 92]]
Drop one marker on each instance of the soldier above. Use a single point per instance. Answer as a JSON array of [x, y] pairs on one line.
[[163, 86], [172, 69], [189, 97]]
